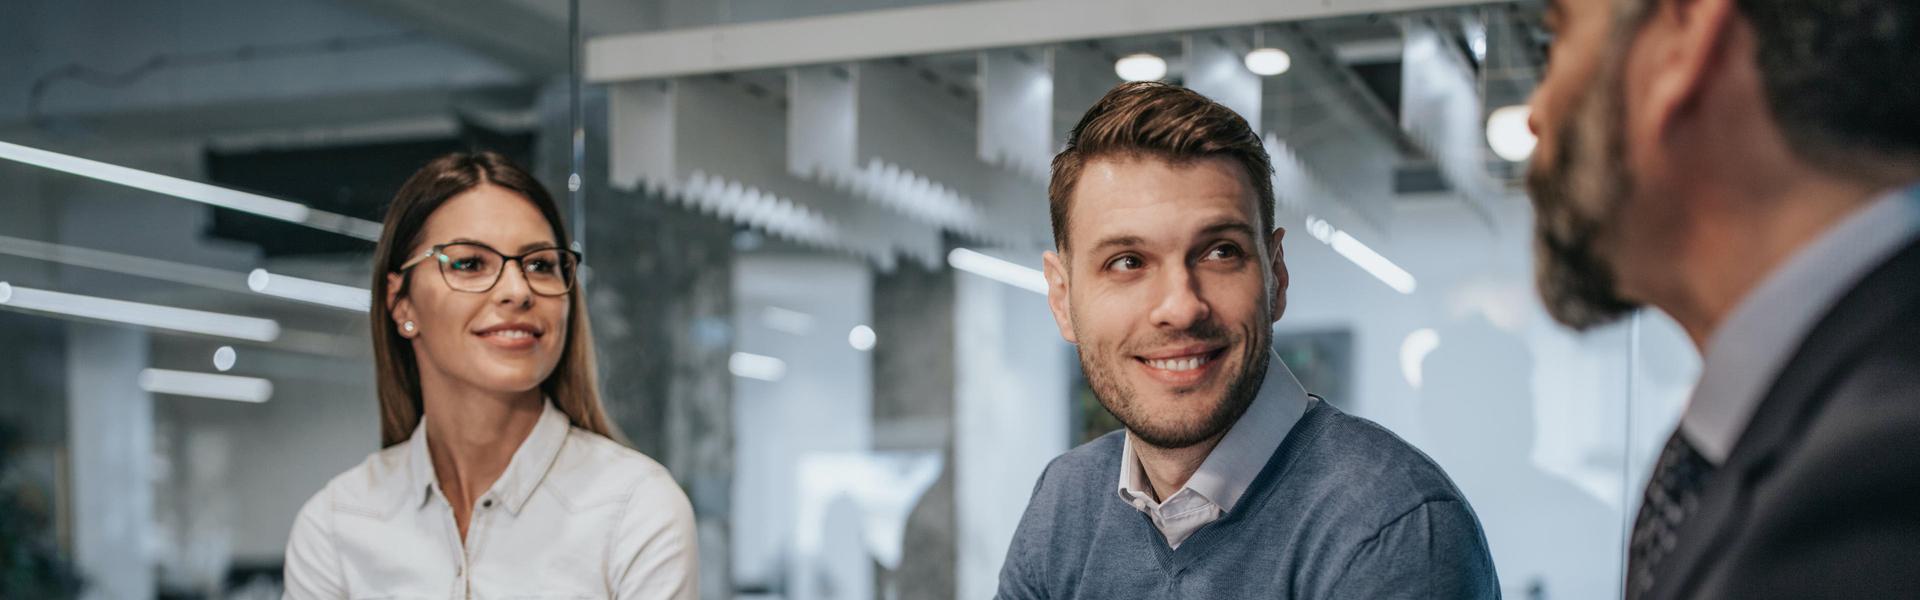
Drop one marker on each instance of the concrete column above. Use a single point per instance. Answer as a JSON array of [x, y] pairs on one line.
[[110, 430], [660, 297], [913, 410], [659, 289]]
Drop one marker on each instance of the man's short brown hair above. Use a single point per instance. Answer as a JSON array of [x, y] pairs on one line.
[[1161, 121]]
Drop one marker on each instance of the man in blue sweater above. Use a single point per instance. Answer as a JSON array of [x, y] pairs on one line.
[[1229, 481]]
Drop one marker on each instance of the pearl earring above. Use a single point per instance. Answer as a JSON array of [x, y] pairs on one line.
[[407, 326]]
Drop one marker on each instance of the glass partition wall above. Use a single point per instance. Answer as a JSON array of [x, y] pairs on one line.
[[193, 194], [813, 233]]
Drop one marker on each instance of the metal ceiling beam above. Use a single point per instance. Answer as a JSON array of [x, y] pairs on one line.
[[1347, 89], [956, 27], [518, 36], [1514, 58]]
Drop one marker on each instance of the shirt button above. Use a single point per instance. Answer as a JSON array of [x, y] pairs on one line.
[[486, 504]]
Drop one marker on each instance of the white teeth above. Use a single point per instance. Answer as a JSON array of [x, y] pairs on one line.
[[1179, 364], [510, 334]]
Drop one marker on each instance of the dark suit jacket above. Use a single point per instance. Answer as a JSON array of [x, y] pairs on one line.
[[1820, 498]]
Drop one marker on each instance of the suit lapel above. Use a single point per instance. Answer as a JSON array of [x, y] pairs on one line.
[[1836, 341]]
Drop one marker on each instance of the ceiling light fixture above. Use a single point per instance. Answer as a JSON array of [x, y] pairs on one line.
[[224, 358], [862, 338], [1267, 62], [1509, 135], [1140, 67]]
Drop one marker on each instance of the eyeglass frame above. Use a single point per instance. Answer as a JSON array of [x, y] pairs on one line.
[[440, 249]]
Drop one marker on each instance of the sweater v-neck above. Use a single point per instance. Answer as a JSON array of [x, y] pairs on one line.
[[1172, 561]]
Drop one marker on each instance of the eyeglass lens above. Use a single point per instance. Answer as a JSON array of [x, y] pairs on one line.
[[475, 268]]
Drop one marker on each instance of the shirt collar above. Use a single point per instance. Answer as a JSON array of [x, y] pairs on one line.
[[1746, 354], [525, 470], [1231, 467]]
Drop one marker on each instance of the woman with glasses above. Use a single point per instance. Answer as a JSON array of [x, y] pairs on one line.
[[500, 476]]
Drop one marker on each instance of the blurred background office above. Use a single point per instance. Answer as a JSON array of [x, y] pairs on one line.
[[812, 231]]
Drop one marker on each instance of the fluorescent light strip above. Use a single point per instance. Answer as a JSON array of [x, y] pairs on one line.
[[124, 264], [141, 314], [206, 385], [786, 320], [755, 366], [1012, 274], [260, 280], [307, 290], [1381, 268], [1359, 254], [274, 208]]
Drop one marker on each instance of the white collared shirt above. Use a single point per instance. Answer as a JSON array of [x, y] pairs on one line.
[[1749, 350], [575, 515], [1229, 469]]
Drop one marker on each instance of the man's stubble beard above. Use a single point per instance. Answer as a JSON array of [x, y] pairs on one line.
[[1120, 399]]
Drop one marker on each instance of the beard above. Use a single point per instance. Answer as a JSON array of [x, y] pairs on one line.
[[1577, 201], [1103, 369]]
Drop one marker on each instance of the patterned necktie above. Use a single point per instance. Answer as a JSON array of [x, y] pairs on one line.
[[1672, 495]]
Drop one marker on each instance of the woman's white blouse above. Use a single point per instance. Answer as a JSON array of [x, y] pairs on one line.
[[575, 515]]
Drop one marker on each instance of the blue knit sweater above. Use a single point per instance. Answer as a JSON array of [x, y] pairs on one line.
[[1343, 509]]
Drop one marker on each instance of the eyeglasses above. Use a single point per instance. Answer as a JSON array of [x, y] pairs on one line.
[[476, 268]]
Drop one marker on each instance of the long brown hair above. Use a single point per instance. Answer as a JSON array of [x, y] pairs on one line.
[[573, 385]]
